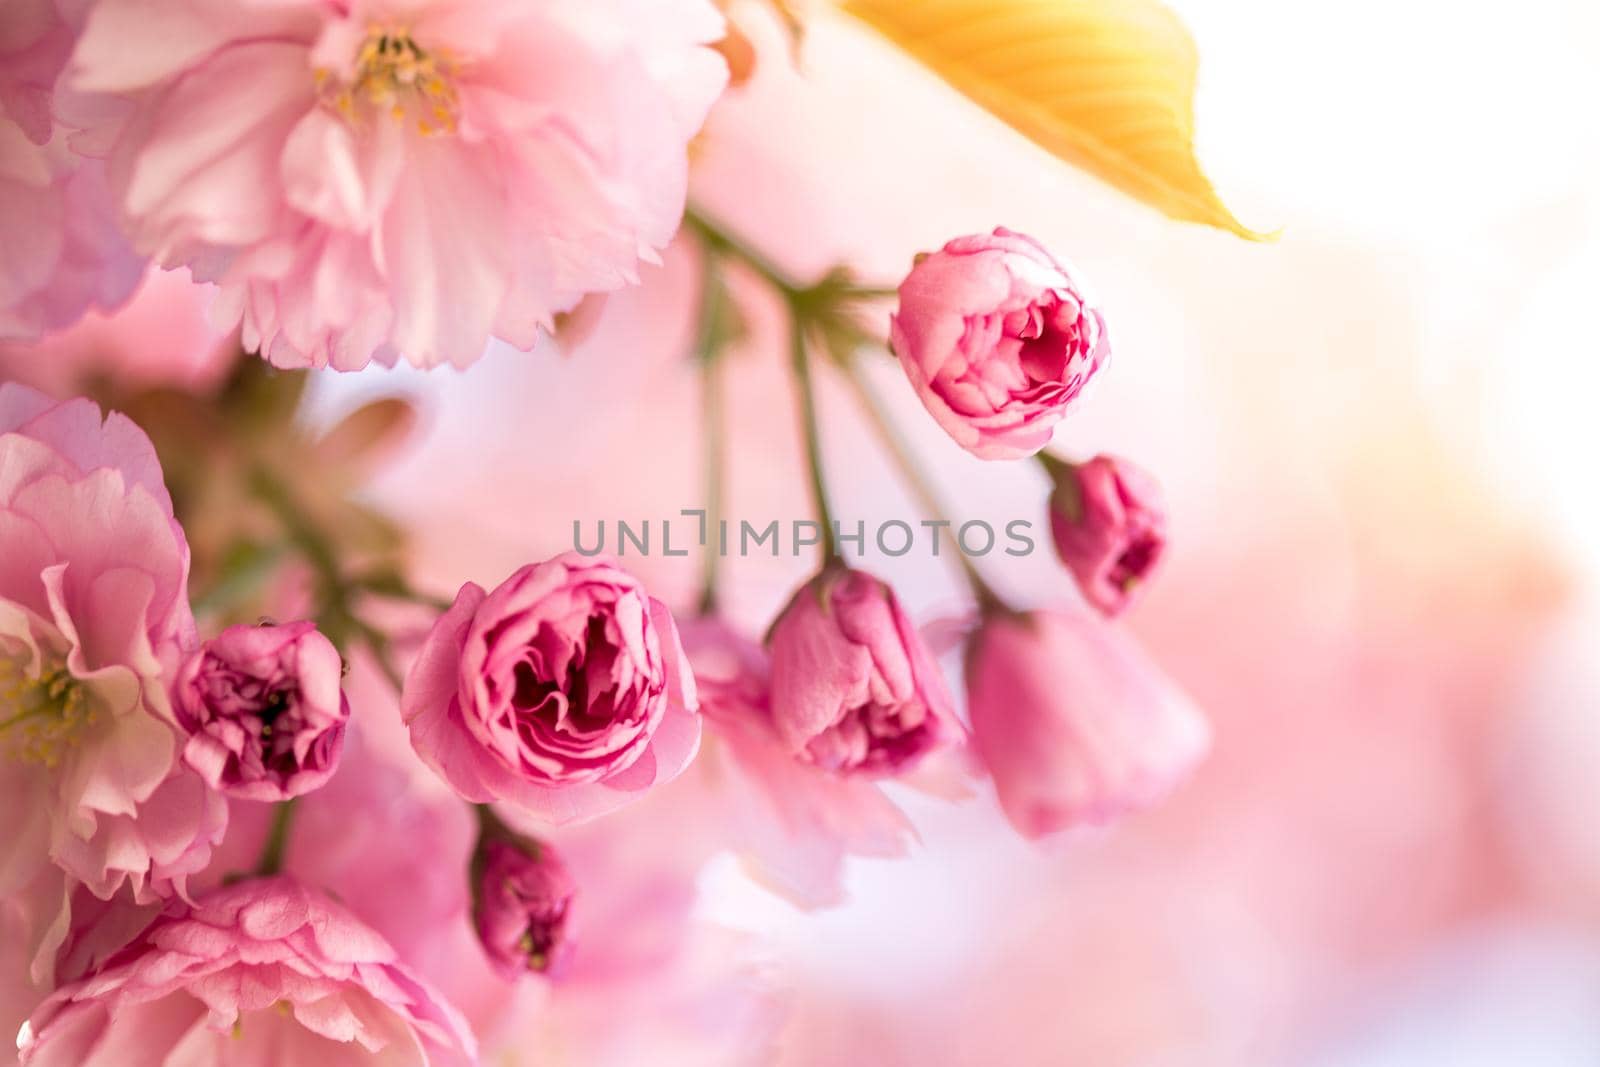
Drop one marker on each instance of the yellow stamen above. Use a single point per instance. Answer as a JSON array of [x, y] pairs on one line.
[[395, 75], [42, 716]]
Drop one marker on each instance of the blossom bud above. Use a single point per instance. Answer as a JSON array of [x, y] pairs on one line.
[[263, 710], [853, 687], [1109, 526], [1073, 722], [562, 692], [522, 905], [998, 341]]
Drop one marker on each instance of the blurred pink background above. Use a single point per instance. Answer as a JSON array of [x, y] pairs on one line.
[[1377, 441]]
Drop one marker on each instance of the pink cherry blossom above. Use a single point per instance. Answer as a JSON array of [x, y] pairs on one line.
[[383, 179], [94, 615], [563, 692], [791, 821], [263, 711], [1109, 527], [998, 340], [63, 251], [1074, 722], [853, 686], [264, 971]]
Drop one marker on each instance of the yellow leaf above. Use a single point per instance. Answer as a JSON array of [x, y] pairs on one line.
[[1107, 85]]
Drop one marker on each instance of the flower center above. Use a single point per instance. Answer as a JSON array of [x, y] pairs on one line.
[[42, 715], [396, 75], [539, 938], [872, 737], [535, 948], [277, 702]]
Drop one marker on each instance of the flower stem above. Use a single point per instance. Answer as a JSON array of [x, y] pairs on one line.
[[1067, 491], [489, 824], [243, 576], [392, 585], [921, 488], [492, 828], [801, 364], [809, 306], [872, 292], [1053, 465], [277, 843], [336, 616], [724, 242], [713, 414]]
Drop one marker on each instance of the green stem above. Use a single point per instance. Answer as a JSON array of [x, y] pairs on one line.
[[392, 585], [490, 824], [277, 843], [306, 537], [241, 580], [492, 828], [334, 616], [800, 363], [806, 310], [1067, 493], [872, 292], [337, 617], [714, 415], [725, 242], [1054, 465], [921, 488]]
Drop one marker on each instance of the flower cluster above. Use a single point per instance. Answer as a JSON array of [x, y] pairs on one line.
[[400, 828]]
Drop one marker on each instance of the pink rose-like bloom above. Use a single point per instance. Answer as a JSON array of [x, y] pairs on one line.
[[1109, 526], [399, 178], [998, 340], [94, 617], [263, 972], [522, 906], [563, 692], [791, 821], [63, 251], [1074, 722], [263, 710], [853, 686]]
